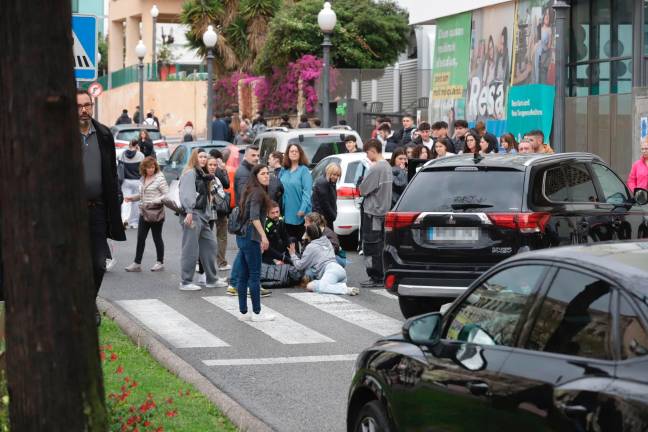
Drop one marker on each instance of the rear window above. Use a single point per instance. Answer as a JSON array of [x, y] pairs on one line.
[[452, 190], [129, 135], [318, 147]]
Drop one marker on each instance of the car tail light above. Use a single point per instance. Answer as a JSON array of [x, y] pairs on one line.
[[396, 220], [347, 192], [390, 280], [525, 222], [119, 144], [161, 144]]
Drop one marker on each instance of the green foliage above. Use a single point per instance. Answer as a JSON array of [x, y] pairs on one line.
[[368, 34], [241, 26]]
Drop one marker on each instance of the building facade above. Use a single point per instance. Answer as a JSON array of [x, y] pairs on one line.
[[496, 61]]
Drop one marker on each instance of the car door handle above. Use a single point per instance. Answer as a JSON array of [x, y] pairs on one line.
[[478, 388], [573, 409]]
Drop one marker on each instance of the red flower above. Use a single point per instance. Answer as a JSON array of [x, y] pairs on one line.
[[147, 423], [160, 429], [169, 401], [172, 413], [113, 357], [131, 420], [133, 384], [120, 370]]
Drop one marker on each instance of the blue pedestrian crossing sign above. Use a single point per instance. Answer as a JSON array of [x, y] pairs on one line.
[[86, 47]]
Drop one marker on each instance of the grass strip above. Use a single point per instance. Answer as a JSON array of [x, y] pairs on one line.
[[132, 374]]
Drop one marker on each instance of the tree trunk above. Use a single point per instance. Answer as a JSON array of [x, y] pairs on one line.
[[53, 367]]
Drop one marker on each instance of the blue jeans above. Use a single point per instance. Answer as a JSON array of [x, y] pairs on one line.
[[333, 280], [248, 266]]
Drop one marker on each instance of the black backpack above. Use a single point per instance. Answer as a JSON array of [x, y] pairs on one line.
[[234, 224]]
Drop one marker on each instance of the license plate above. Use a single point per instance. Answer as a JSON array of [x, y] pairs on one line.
[[453, 234]]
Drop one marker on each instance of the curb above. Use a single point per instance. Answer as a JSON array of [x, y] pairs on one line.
[[241, 417]]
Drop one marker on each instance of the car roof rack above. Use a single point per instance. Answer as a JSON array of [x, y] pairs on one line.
[[276, 128]]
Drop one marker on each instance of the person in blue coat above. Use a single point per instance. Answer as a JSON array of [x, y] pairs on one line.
[[298, 185]]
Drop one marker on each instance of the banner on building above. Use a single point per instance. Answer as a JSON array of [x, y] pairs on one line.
[[530, 107], [450, 72], [534, 51], [490, 64]]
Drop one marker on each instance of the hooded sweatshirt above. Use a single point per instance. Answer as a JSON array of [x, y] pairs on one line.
[[318, 254], [131, 160]]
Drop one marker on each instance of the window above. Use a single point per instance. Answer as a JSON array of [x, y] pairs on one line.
[[634, 338], [438, 190], [354, 171], [268, 146], [178, 156], [570, 183], [130, 135], [318, 146], [492, 313], [574, 318], [614, 190], [601, 47]]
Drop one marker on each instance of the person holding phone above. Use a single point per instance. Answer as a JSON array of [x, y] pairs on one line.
[[398, 162]]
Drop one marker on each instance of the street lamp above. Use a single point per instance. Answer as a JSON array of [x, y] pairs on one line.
[[154, 13], [561, 9], [140, 51], [209, 39], [326, 20]]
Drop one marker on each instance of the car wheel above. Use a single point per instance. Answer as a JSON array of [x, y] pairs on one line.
[[412, 306], [372, 418]]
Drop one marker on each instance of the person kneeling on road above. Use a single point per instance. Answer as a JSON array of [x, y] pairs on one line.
[[319, 253]]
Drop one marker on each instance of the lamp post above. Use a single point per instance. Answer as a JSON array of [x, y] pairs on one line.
[[561, 8], [209, 39], [140, 51], [326, 19], [154, 13]]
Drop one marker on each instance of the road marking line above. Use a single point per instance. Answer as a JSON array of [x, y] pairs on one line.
[[383, 292], [351, 312], [280, 360], [281, 329], [170, 324]]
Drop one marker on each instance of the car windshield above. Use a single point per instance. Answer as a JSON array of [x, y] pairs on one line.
[[458, 190], [317, 147], [131, 134]]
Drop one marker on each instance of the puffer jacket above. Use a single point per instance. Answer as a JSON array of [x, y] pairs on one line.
[[318, 254]]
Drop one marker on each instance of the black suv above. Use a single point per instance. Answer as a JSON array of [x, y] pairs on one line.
[[460, 215]]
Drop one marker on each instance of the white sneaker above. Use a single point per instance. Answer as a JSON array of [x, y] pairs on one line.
[[201, 279], [353, 291], [218, 284], [110, 263], [225, 267], [133, 267], [189, 287], [261, 317], [245, 317], [158, 266]]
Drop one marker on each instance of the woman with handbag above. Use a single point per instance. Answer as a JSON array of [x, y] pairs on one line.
[[217, 203], [152, 189]]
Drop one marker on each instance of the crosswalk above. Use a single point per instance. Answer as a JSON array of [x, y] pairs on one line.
[[180, 331]]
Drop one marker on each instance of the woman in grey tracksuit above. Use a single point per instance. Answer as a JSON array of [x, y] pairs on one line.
[[319, 254], [198, 240]]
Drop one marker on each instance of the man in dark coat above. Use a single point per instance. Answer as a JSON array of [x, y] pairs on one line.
[[220, 130], [404, 136], [103, 195], [123, 118]]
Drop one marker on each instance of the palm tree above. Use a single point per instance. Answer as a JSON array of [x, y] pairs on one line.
[[241, 26]]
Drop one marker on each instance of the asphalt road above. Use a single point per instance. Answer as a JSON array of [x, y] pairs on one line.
[[293, 373]]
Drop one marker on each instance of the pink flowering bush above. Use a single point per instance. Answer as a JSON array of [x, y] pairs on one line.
[[279, 91]]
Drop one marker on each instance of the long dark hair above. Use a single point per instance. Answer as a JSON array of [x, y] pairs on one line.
[[303, 160], [510, 139], [397, 152], [253, 186], [473, 133]]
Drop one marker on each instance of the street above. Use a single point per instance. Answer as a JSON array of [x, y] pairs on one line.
[[294, 372]]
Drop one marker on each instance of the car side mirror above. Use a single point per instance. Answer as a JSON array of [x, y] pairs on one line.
[[423, 329], [641, 196]]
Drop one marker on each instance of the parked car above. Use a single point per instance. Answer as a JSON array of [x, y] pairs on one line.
[[461, 215], [354, 166], [317, 143], [550, 340], [180, 156], [123, 134]]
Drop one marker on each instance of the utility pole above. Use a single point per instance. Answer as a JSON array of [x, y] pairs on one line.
[[562, 9]]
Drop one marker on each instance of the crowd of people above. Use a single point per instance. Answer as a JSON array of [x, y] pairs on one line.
[[282, 219]]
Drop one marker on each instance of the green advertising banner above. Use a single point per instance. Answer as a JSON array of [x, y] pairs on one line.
[[530, 107], [451, 54]]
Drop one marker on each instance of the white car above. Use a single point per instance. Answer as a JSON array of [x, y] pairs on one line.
[[354, 165]]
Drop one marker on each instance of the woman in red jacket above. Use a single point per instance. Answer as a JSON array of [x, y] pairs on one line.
[[638, 177]]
